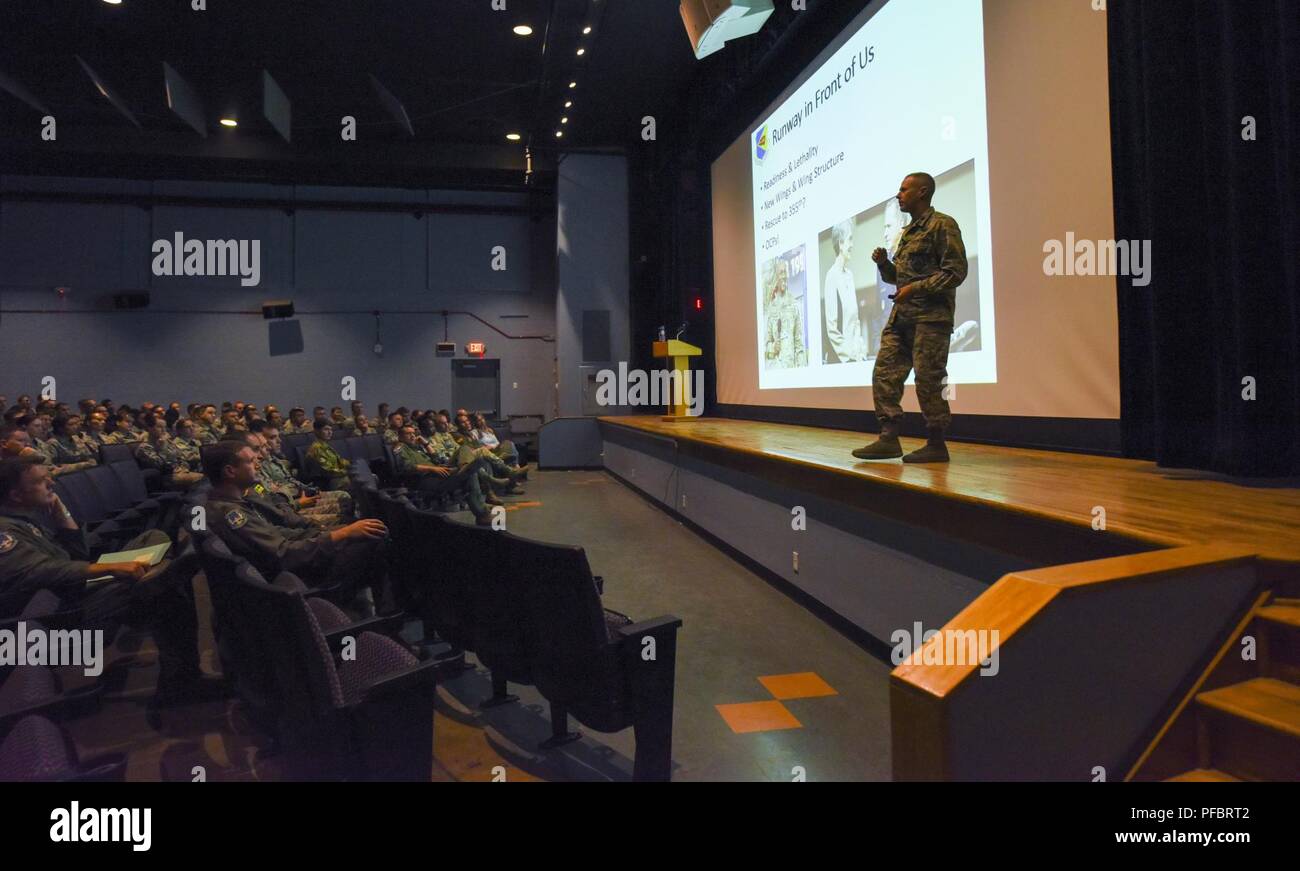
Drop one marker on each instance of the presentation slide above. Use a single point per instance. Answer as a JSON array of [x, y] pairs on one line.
[[826, 169], [1006, 104]]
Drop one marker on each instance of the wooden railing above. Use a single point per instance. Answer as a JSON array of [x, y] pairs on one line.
[[1082, 665]]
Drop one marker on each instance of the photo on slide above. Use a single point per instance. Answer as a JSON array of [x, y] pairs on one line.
[[855, 300], [785, 310]]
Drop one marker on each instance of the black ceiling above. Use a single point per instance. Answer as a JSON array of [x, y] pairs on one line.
[[464, 77]]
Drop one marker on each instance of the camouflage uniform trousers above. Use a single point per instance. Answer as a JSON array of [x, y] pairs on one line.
[[905, 345], [332, 508]]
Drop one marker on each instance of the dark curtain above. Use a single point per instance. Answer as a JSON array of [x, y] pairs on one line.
[[1220, 211]]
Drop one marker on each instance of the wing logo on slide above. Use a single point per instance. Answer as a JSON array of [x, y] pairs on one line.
[[760, 144]]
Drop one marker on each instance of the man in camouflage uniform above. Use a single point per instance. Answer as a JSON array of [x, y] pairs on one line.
[[297, 423], [94, 435], [187, 444], [206, 431], [171, 460], [415, 466], [327, 508], [929, 265], [349, 425], [334, 467], [66, 450]]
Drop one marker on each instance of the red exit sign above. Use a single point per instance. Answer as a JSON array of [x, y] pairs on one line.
[[475, 349]]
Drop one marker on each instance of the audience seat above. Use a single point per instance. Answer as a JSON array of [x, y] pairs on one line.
[[607, 672], [38, 750]]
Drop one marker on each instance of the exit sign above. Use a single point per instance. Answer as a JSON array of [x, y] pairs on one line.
[[475, 349]]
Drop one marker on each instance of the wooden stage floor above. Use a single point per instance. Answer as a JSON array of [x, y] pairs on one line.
[[1161, 507]]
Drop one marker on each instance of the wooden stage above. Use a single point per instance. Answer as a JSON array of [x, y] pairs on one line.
[[1146, 507]]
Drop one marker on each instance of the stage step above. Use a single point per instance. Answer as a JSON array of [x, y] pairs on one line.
[[1279, 635], [1203, 775], [1251, 729]]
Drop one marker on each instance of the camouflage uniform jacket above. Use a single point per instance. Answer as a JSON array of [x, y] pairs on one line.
[[931, 257]]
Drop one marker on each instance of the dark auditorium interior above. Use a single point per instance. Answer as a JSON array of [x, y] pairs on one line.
[[477, 391]]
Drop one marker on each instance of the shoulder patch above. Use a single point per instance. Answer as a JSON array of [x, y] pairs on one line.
[[236, 518], [7, 542]]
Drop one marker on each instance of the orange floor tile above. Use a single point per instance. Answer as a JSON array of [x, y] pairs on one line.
[[758, 717], [804, 685]]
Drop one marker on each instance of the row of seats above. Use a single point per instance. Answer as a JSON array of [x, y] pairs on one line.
[[531, 613], [344, 698]]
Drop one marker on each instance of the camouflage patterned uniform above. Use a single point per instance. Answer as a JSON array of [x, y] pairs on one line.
[[67, 451], [328, 461], [331, 506], [170, 460], [931, 256]]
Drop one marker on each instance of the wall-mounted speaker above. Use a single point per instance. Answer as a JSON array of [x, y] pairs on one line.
[[277, 308]]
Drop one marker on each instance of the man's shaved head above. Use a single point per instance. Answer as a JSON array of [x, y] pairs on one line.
[[925, 180]]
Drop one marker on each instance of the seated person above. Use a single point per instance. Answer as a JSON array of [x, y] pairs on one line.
[[488, 439], [171, 460], [393, 432], [468, 444], [42, 548], [188, 444], [15, 442], [344, 556], [361, 426], [94, 434], [326, 459], [328, 508], [413, 463], [298, 422]]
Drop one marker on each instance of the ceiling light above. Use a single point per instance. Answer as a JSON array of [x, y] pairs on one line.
[[573, 84], [513, 137], [523, 30], [113, 2], [581, 52], [568, 103], [564, 120], [586, 30], [229, 122], [559, 134]]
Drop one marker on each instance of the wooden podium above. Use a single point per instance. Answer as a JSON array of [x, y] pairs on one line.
[[680, 353]]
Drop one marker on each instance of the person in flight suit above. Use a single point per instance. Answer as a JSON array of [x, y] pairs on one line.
[[928, 267], [272, 543], [42, 548]]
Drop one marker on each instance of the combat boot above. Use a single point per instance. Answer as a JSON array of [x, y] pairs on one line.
[[884, 448], [934, 451]]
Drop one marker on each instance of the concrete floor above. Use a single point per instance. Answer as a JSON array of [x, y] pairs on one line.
[[736, 628]]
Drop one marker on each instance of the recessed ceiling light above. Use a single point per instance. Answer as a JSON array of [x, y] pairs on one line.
[[564, 120], [581, 52], [568, 103], [573, 84], [559, 134], [586, 30], [523, 30], [513, 137], [113, 2], [229, 122]]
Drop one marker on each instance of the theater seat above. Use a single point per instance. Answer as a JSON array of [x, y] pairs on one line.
[[37, 750], [585, 660]]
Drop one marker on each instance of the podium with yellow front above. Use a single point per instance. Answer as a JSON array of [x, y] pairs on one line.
[[680, 353]]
